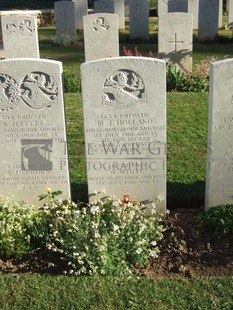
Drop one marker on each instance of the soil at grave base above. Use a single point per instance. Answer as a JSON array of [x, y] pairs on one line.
[[186, 251]]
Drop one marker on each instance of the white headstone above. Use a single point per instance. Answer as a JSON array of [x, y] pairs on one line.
[[101, 37], [139, 18], [230, 14], [219, 178], [119, 9], [194, 9], [81, 9], [33, 131], [125, 127], [104, 6], [178, 6], [220, 13], [208, 19], [162, 6], [227, 5], [112, 7], [20, 37], [65, 18], [176, 39]]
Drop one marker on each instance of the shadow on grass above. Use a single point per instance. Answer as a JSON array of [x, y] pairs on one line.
[[181, 195], [124, 38]]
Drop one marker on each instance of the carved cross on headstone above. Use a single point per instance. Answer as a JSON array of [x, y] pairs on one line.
[[176, 42]]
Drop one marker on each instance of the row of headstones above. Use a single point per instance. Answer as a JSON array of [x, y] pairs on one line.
[[124, 124], [198, 8], [101, 37], [76, 9], [37, 90], [69, 15], [207, 15], [175, 30]]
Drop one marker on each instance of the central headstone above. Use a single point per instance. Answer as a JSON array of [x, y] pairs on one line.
[[33, 131], [20, 37], [101, 36], [125, 128], [175, 39], [139, 19], [219, 178]]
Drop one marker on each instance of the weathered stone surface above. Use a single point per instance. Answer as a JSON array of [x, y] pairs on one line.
[[208, 19], [139, 18], [125, 128], [20, 37], [175, 39], [193, 9], [17, 12], [162, 6], [101, 37], [33, 132], [119, 9], [220, 11], [65, 18], [219, 178], [112, 7], [81, 8], [230, 14]]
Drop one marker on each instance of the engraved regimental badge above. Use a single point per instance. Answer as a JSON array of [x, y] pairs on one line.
[[39, 90], [100, 23], [123, 89]]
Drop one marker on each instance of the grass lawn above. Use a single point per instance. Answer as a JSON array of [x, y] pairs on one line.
[[187, 144], [57, 293]]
